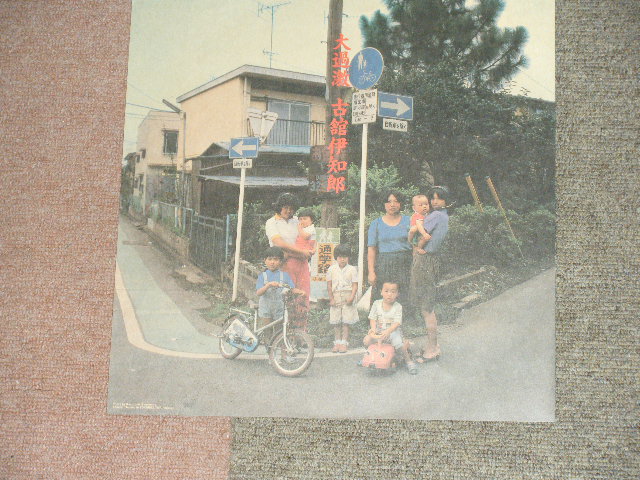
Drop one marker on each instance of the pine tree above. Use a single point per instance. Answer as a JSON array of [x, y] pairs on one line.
[[423, 34]]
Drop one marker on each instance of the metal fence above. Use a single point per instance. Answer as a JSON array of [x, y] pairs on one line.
[[208, 243], [295, 132], [178, 219], [136, 204], [212, 240]]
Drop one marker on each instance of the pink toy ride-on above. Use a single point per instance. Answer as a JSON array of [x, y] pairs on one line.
[[380, 356]]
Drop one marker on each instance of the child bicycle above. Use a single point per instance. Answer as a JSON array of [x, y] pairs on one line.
[[290, 350]]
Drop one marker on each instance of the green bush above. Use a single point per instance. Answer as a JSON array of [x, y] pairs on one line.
[[474, 238], [349, 226], [477, 238], [537, 230], [379, 181], [254, 238]]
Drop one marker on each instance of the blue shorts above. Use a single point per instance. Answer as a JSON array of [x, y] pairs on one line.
[[272, 308]]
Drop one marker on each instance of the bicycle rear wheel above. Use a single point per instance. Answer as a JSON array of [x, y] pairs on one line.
[[227, 350], [292, 356]]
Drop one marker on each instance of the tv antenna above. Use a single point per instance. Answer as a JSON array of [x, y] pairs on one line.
[[262, 7]]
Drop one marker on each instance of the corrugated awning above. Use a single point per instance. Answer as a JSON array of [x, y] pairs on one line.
[[261, 182], [295, 149], [221, 150]]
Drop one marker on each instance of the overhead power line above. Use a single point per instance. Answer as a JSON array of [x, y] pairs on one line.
[[142, 92], [150, 108], [534, 80]]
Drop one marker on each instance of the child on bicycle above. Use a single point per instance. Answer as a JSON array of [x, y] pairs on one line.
[[269, 287], [385, 319], [342, 285]]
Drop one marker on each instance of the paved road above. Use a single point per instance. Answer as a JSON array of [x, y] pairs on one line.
[[497, 363]]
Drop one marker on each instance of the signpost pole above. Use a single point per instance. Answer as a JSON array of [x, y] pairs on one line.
[[236, 264], [364, 72], [363, 190]]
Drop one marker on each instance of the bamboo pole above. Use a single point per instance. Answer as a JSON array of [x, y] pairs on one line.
[[504, 213], [474, 192]]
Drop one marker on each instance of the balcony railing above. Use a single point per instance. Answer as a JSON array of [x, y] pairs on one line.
[[295, 133]]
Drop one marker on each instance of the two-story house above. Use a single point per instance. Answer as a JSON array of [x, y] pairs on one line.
[[159, 156], [218, 111]]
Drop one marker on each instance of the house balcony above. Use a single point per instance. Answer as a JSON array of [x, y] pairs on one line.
[[295, 133]]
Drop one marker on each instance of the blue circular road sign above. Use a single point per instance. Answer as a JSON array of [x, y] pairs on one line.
[[366, 68]]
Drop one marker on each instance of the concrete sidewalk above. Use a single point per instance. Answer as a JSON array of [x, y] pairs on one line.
[[161, 322]]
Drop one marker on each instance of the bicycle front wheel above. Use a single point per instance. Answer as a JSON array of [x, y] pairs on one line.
[[291, 355], [227, 350]]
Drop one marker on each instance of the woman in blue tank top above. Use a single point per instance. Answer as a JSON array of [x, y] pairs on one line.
[[389, 252]]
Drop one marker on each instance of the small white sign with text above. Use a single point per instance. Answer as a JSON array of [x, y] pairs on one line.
[[242, 163], [364, 106], [396, 125]]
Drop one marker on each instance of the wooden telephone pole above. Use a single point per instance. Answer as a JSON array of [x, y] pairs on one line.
[[329, 205]]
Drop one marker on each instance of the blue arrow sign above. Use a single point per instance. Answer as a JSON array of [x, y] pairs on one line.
[[365, 68], [244, 147], [391, 105]]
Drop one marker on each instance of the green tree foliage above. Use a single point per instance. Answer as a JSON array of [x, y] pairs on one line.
[[457, 130], [419, 34], [452, 59]]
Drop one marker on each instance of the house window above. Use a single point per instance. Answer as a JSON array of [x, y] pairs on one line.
[[170, 146], [293, 124]]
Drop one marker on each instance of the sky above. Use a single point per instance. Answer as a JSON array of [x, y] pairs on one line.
[[178, 45]]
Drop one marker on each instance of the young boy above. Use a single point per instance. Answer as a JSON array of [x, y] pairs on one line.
[[268, 287], [421, 208], [342, 285], [385, 318]]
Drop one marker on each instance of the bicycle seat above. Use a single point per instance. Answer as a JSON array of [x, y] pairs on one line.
[[253, 304]]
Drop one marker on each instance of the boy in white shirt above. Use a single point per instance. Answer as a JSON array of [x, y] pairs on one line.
[[342, 285], [385, 319]]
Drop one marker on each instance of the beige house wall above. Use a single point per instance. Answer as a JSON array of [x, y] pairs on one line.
[[151, 138], [220, 113], [215, 115]]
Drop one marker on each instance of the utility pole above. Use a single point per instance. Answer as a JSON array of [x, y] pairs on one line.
[[329, 206]]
